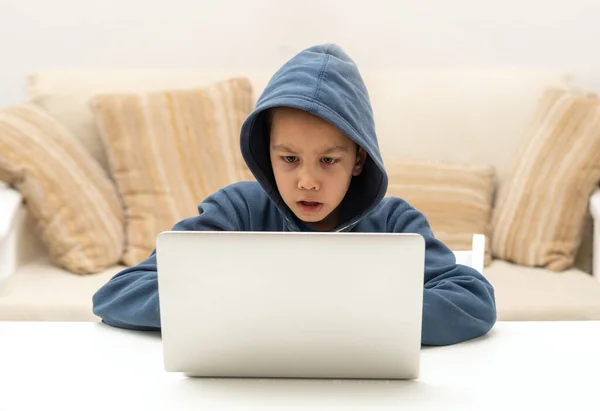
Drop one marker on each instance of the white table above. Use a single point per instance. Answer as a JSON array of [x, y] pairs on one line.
[[83, 366]]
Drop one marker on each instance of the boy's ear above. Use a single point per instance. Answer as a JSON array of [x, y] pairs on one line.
[[361, 157]]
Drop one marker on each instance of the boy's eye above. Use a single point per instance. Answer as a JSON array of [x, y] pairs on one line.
[[329, 160], [290, 159]]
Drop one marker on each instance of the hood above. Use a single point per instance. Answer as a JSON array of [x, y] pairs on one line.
[[326, 82]]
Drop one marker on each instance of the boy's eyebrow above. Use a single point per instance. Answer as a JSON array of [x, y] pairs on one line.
[[281, 147], [335, 149]]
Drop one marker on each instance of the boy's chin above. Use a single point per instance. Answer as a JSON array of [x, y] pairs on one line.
[[311, 219], [318, 223]]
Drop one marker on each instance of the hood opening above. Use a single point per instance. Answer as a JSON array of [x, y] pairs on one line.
[[324, 81]]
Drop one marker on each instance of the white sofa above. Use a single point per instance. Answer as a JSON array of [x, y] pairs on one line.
[[460, 116]]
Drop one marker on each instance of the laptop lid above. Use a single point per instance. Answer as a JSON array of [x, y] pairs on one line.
[[296, 305]]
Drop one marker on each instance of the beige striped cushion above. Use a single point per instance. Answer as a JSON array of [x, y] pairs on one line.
[[541, 210], [456, 199], [76, 207], [169, 150]]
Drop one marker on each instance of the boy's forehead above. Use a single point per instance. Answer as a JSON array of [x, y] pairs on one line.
[[291, 126]]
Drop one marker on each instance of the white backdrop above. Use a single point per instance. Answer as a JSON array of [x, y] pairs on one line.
[[39, 34]]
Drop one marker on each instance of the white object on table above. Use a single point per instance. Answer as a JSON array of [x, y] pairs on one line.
[[10, 201], [595, 212], [476, 256], [91, 366]]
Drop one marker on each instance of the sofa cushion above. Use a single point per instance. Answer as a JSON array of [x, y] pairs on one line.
[[456, 199], [66, 94], [540, 213], [41, 291], [538, 294], [169, 150], [75, 205]]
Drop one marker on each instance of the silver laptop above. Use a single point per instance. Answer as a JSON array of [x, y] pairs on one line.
[[291, 305]]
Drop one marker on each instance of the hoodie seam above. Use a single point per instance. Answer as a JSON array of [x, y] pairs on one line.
[[315, 99]]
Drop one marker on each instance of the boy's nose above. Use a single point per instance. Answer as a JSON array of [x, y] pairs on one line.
[[307, 181]]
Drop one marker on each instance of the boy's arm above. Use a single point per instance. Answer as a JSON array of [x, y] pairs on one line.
[[458, 302], [130, 298]]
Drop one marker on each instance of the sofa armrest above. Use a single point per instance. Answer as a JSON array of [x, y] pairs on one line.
[[595, 212], [10, 206]]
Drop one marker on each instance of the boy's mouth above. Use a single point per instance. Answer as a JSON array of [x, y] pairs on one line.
[[309, 207]]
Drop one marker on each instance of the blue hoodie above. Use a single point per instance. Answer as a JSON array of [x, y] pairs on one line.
[[458, 302]]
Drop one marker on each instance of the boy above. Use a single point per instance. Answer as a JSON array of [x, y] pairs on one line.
[[310, 142]]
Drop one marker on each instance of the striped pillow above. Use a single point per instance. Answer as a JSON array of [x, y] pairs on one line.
[[169, 150], [74, 204], [455, 199], [540, 212]]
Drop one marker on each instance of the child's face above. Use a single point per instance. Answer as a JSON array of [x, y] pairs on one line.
[[313, 163]]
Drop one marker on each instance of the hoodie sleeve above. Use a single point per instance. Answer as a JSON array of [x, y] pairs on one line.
[[458, 302], [130, 298]]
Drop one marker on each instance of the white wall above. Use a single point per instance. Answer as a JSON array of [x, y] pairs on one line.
[[40, 34]]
